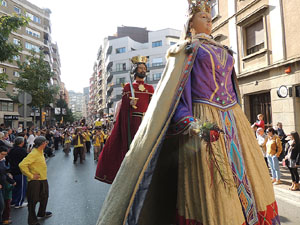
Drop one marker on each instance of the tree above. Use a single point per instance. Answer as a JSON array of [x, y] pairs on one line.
[[35, 78], [8, 50]]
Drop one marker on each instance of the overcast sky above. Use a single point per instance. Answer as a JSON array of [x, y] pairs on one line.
[[79, 27]]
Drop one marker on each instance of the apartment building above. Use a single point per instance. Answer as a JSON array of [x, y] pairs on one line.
[[113, 65], [36, 36], [264, 36], [86, 93], [94, 94], [76, 101]]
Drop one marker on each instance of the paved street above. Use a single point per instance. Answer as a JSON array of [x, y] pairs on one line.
[[288, 206], [75, 196]]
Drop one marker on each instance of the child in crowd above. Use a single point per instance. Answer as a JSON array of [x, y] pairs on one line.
[[7, 195], [260, 122]]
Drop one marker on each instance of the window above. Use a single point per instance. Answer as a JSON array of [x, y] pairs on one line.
[[156, 76], [120, 50], [172, 42], [16, 74], [16, 91], [121, 80], [30, 46], [261, 103], [16, 57], [157, 62], [255, 37], [120, 66], [17, 10], [214, 8], [33, 17], [17, 41], [33, 32], [2, 70], [6, 106], [156, 44], [4, 3]]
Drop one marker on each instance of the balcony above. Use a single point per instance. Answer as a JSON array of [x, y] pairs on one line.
[[109, 90], [109, 78]]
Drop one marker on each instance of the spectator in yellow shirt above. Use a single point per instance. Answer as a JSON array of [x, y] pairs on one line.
[[34, 167], [274, 148]]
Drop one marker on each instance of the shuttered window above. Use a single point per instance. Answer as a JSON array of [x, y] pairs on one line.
[[255, 37]]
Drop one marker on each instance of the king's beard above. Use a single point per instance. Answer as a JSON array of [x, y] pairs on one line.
[[141, 75]]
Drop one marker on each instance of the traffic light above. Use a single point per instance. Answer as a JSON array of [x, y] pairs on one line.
[[43, 117]]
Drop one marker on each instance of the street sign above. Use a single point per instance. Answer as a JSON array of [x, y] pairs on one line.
[[57, 111], [21, 98], [21, 110]]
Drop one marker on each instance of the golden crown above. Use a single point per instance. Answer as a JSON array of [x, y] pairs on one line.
[[139, 59], [199, 6]]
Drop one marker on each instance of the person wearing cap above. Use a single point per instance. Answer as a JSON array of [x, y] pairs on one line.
[[34, 167], [173, 173], [128, 119]]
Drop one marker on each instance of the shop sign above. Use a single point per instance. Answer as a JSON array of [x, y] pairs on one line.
[[11, 117]]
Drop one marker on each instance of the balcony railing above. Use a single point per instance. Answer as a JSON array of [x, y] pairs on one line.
[[109, 78]]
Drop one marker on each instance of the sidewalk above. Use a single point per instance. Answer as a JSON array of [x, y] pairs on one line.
[[286, 182]]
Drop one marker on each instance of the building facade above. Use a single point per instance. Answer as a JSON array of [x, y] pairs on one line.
[[76, 101], [263, 35], [113, 65], [36, 36], [86, 93], [94, 94]]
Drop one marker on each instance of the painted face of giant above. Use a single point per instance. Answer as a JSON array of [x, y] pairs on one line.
[[201, 23], [141, 71]]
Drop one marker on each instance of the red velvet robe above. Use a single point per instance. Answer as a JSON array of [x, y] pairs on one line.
[[127, 123]]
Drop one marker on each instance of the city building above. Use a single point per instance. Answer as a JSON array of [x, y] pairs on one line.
[[264, 37], [86, 96], [94, 102], [113, 66], [76, 101], [36, 36]]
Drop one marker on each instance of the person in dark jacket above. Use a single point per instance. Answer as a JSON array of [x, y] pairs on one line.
[[3, 178], [292, 158], [14, 157]]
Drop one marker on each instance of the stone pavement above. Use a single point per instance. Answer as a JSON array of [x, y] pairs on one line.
[[282, 191], [286, 180]]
